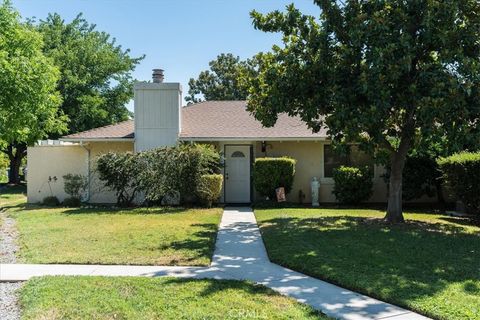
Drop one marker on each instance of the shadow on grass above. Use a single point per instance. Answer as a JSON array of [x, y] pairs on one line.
[[201, 242], [13, 189], [218, 286], [117, 210], [475, 221], [399, 263]]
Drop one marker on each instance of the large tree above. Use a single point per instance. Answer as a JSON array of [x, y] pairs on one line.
[[390, 75], [95, 73], [221, 82], [28, 97]]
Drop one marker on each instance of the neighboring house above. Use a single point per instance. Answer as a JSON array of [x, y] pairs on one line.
[[160, 120]]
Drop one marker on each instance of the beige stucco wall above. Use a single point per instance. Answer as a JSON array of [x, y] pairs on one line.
[[309, 156], [59, 160], [56, 161], [52, 161]]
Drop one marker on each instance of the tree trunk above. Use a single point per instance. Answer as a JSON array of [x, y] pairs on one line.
[[16, 153], [394, 209]]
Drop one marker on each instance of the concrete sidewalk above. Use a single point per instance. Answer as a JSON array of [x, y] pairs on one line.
[[239, 254]]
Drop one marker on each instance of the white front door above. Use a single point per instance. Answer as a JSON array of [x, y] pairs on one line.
[[237, 174]]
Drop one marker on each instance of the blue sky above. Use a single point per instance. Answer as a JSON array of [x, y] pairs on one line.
[[180, 36]]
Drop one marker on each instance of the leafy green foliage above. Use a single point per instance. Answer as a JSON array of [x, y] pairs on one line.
[[3, 167], [221, 82], [271, 173], [72, 202], [461, 172], [28, 97], [352, 185], [95, 73], [177, 168], [75, 185], [387, 74], [120, 172], [421, 177], [209, 188], [51, 201]]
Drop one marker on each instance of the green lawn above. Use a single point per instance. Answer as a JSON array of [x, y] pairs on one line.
[[157, 298], [150, 236], [430, 265], [12, 195]]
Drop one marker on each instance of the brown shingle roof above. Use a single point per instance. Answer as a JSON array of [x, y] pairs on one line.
[[122, 130], [230, 119], [214, 120]]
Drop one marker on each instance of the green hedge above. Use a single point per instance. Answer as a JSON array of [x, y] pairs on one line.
[[209, 188], [121, 173], [177, 168], [352, 185], [461, 172], [271, 173]]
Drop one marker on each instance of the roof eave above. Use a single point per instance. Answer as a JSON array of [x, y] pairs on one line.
[[97, 139], [253, 138]]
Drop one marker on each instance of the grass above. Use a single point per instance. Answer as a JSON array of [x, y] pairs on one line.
[[141, 236], [157, 298], [430, 265], [12, 195]]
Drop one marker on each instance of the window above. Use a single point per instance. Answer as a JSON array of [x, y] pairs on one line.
[[238, 154], [355, 158]]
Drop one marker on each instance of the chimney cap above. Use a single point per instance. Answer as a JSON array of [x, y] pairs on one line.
[[157, 75]]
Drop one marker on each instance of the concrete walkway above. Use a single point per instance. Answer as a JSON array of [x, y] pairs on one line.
[[239, 254]]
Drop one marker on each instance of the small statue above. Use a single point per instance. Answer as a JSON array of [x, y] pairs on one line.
[[315, 186]]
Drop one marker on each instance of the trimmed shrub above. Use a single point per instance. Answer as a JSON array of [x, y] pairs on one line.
[[461, 172], [352, 185], [120, 172], [209, 188], [272, 173], [178, 169], [72, 202], [75, 185], [51, 201]]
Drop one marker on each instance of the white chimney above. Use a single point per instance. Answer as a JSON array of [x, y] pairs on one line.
[[157, 109]]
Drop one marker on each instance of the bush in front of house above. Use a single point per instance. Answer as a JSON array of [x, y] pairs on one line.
[[75, 185], [421, 177], [177, 169], [209, 188], [272, 173], [72, 202], [121, 173], [352, 185], [51, 201], [461, 172]]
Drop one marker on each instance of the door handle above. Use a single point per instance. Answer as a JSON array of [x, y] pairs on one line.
[[226, 176]]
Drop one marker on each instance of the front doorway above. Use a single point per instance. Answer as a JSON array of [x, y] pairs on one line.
[[237, 173]]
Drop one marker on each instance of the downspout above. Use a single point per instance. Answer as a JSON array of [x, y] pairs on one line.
[[88, 170]]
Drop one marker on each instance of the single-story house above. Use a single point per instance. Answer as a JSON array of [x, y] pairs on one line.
[[161, 120]]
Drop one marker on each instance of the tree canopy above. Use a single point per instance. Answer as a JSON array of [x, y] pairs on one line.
[[28, 97], [390, 75], [95, 73], [221, 82]]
